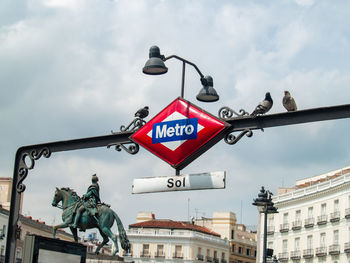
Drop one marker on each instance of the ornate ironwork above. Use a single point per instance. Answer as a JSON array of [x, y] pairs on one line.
[[133, 126], [23, 168], [232, 139], [227, 113], [133, 148]]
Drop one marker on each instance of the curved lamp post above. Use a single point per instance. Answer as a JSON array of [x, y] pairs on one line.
[[264, 200], [155, 66]]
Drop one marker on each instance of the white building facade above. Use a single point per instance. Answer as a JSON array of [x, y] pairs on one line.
[[313, 223], [173, 241]]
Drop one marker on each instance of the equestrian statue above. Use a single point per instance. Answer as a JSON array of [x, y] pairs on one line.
[[88, 212]]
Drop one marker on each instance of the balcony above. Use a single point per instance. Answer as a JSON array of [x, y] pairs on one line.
[[309, 222], [347, 247], [296, 225], [321, 251], [223, 260], [335, 217], [295, 254], [334, 249], [216, 260], [322, 220], [200, 257], [208, 259], [347, 213], [284, 228], [283, 256], [160, 254], [308, 253], [270, 230], [178, 255], [145, 254]]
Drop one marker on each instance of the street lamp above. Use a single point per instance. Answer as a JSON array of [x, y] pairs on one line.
[[155, 66], [264, 201]]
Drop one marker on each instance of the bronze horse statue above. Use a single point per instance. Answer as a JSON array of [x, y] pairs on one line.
[[106, 217]]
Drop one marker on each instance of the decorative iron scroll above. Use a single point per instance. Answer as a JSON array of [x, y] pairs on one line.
[[226, 113], [133, 126], [133, 148], [23, 168], [232, 139]]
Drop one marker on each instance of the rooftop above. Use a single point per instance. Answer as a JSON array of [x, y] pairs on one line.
[[170, 224]]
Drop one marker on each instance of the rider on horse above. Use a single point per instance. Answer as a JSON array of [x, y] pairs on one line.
[[89, 201]]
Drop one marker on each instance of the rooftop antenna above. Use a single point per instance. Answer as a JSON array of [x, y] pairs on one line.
[[188, 209]]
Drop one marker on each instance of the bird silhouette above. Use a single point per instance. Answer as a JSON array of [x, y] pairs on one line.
[[142, 113], [289, 102], [263, 106]]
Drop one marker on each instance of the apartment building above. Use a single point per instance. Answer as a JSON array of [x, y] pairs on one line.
[[155, 240], [313, 223], [242, 242]]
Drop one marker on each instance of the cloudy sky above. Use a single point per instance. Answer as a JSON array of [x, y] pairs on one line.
[[71, 69]]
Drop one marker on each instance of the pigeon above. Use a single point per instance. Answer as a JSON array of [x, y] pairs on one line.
[[288, 102], [263, 106], [142, 113]]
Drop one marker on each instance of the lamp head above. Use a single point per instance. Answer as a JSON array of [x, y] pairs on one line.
[[155, 64], [207, 93]]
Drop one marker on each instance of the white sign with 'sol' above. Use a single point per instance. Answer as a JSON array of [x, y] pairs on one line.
[[184, 182]]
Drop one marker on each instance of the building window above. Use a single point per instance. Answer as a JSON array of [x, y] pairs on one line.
[[297, 215], [18, 253], [297, 244], [233, 247], [240, 250], [336, 205], [309, 242], [285, 218], [324, 209], [232, 234], [323, 240], [310, 212], [160, 251], [223, 255], [335, 237], [248, 252], [178, 251], [285, 245], [145, 250]]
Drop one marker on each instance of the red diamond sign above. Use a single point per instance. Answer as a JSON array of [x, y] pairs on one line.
[[180, 133]]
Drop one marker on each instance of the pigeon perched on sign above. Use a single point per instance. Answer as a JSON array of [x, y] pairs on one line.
[[142, 113], [288, 102], [263, 106]]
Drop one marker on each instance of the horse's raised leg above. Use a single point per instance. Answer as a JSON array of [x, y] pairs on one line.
[[109, 233], [63, 225], [104, 242], [75, 233]]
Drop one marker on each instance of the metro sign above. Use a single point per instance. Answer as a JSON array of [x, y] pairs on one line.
[[180, 133]]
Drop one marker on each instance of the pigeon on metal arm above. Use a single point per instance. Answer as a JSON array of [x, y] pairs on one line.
[[289, 102], [142, 113], [263, 106]]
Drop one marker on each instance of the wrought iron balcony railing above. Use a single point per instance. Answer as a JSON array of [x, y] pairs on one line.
[[347, 247], [334, 249], [200, 257], [283, 256], [309, 222], [216, 260], [208, 259], [270, 230], [284, 227], [335, 216], [322, 219], [223, 260], [296, 225], [308, 253], [160, 254], [347, 213], [321, 251], [145, 254], [178, 255], [295, 254]]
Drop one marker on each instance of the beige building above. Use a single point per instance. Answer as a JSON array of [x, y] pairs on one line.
[[5, 193], [313, 223], [242, 242], [174, 241]]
